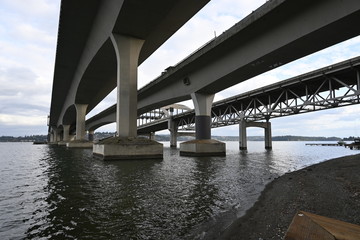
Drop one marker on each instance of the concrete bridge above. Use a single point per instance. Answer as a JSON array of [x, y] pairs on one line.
[[278, 32], [86, 61], [334, 86]]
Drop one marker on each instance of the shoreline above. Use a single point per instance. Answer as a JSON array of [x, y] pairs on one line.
[[330, 188]]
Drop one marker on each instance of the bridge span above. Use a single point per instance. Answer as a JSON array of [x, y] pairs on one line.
[[278, 32], [334, 86], [86, 62]]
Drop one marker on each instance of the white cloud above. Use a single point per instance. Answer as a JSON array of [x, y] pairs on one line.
[[27, 46], [16, 120], [28, 33]]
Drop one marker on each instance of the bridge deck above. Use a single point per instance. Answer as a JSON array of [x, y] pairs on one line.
[[336, 85]]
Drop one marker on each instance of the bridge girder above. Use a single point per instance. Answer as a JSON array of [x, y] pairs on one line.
[[85, 67], [278, 32], [330, 87]]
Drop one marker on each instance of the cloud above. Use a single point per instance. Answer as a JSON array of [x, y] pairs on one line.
[[215, 17], [15, 120], [28, 33], [31, 8]]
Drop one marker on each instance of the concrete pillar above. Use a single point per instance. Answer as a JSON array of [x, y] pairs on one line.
[[126, 145], [91, 135], [51, 136], [202, 104], [66, 131], [152, 135], [127, 52], [242, 135], [268, 136], [80, 121], [173, 128], [203, 145], [55, 135]]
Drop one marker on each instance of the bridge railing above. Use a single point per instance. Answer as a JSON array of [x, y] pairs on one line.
[[161, 114]]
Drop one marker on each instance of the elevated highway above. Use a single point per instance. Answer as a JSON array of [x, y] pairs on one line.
[[278, 32], [334, 86], [86, 65]]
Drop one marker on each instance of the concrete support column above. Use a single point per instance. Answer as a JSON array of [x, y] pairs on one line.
[[173, 128], [203, 145], [66, 131], [242, 135], [80, 121], [91, 135], [55, 134], [152, 135], [202, 104], [51, 137], [126, 145], [127, 53], [268, 136]]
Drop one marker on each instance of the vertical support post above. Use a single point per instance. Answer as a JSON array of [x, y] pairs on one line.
[[203, 145], [127, 52], [152, 135], [66, 133], [242, 135], [80, 121], [128, 146], [268, 137], [55, 134], [202, 104], [91, 135], [52, 135], [58, 136], [173, 128]]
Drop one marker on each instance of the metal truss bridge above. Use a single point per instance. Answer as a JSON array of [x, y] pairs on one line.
[[334, 86]]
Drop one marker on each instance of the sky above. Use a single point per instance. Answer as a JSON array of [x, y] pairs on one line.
[[28, 37]]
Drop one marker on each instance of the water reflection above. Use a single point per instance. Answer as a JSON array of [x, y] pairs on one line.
[[61, 193]]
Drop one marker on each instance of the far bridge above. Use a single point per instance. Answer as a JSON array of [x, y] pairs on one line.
[[334, 86]]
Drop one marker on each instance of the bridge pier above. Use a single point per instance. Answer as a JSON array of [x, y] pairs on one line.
[[173, 128], [91, 135], [54, 136], [203, 145], [66, 135], [243, 136], [126, 145], [80, 141]]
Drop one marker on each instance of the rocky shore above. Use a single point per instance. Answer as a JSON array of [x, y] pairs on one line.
[[330, 188]]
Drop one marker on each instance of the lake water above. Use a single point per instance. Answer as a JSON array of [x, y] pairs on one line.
[[50, 192]]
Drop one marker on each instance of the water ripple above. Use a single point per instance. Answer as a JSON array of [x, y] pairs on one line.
[[50, 192]]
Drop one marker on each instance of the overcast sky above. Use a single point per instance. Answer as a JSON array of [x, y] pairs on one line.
[[28, 35]]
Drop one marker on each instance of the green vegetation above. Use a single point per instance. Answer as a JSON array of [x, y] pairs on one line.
[[31, 138]]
